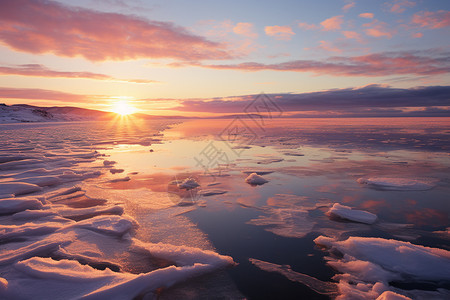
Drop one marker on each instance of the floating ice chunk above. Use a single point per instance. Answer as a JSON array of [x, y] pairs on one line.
[[291, 153], [212, 192], [398, 184], [286, 222], [188, 184], [108, 162], [402, 258], [127, 178], [321, 287], [183, 255], [348, 213], [8, 206], [389, 295], [255, 179], [8, 189]]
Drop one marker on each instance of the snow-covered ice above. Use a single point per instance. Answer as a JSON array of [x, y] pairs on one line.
[[398, 184], [348, 213], [255, 179]]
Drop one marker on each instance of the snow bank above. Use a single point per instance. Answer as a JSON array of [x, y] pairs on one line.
[[398, 184], [348, 213], [255, 179]]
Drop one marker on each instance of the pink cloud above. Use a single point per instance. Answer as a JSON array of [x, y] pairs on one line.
[[307, 26], [400, 6], [352, 35], [39, 26], [417, 35], [378, 29], [280, 32], [36, 70], [41, 94], [347, 6], [328, 46], [245, 29], [432, 20], [333, 23], [366, 15], [376, 64]]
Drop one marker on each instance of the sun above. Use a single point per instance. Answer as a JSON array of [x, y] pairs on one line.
[[122, 107]]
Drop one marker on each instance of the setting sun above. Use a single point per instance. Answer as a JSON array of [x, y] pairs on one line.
[[123, 108]]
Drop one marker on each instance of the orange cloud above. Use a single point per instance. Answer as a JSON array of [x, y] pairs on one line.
[[39, 26], [366, 15], [333, 23], [280, 32], [245, 29], [400, 6], [37, 70], [432, 20]]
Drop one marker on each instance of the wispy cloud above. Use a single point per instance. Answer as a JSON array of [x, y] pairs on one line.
[[347, 6], [40, 26], [37, 70], [429, 62], [352, 35], [432, 20], [43, 94], [280, 32], [375, 100], [399, 6], [245, 29], [366, 15], [307, 26], [333, 23], [379, 29]]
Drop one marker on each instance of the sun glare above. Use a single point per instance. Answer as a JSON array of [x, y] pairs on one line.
[[123, 108]]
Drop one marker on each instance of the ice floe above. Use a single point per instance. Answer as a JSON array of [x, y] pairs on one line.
[[398, 184], [347, 213], [368, 265], [255, 179]]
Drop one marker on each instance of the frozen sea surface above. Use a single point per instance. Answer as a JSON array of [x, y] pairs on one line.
[[287, 208]]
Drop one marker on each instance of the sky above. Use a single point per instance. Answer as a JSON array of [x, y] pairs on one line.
[[206, 58]]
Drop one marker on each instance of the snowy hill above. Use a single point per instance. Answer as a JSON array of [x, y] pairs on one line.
[[28, 113]]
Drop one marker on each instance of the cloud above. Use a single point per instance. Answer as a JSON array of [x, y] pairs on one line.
[[307, 26], [373, 100], [42, 94], [347, 6], [399, 6], [280, 32], [40, 26], [352, 35], [417, 35], [328, 46], [432, 20], [333, 23], [428, 62], [366, 15], [37, 70], [378, 29], [245, 29]]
